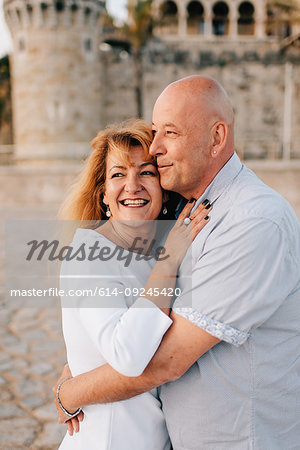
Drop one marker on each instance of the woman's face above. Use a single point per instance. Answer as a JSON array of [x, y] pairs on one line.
[[132, 191]]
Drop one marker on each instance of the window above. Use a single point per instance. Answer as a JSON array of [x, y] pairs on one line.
[[246, 19], [169, 18], [195, 19], [220, 23]]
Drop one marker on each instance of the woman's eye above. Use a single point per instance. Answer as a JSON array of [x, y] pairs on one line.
[[118, 174], [148, 172]]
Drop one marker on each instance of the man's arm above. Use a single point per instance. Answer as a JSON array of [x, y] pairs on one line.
[[181, 346]]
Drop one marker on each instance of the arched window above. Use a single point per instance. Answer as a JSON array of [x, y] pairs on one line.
[[169, 18], [246, 19], [220, 23], [45, 12], [29, 13], [195, 19], [59, 5]]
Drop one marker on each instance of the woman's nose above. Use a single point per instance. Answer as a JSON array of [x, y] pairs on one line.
[[133, 184]]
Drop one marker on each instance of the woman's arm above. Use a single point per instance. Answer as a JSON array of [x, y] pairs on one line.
[[183, 344]]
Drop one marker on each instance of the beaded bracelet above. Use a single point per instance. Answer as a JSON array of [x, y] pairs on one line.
[[60, 404]]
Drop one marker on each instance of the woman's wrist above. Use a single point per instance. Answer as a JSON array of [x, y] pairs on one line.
[[66, 396]]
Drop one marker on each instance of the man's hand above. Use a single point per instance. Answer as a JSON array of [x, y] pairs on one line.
[[72, 424]]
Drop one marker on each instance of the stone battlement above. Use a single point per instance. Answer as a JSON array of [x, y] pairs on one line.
[[22, 15]]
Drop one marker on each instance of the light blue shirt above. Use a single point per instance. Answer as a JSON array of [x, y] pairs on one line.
[[245, 289]]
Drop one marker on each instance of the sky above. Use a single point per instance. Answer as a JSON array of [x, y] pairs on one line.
[[116, 8]]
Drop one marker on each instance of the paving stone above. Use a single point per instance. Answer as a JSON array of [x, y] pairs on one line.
[[4, 357], [2, 380], [9, 339], [24, 324], [14, 375], [5, 315], [33, 335], [6, 366], [7, 411], [19, 349], [24, 314], [32, 402], [15, 303], [51, 436], [19, 363], [48, 348], [18, 433], [46, 412], [25, 388], [41, 368], [5, 395]]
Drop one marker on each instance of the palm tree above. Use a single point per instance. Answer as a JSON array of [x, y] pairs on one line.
[[138, 31], [281, 14]]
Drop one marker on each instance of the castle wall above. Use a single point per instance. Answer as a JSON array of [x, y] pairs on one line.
[[254, 75], [55, 76]]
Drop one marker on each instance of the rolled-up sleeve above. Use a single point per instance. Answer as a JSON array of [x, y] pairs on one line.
[[239, 280]]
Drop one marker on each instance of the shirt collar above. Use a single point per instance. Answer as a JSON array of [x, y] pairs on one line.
[[222, 180]]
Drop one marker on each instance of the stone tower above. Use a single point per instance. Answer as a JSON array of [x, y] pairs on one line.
[[55, 76]]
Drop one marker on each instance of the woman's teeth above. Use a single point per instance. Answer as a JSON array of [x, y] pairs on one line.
[[134, 202]]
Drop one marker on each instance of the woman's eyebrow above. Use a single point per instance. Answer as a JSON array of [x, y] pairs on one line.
[[117, 167]]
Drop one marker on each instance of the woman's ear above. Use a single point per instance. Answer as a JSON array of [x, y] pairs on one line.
[[165, 197], [104, 198]]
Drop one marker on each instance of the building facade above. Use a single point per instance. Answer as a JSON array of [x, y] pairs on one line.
[[66, 86]]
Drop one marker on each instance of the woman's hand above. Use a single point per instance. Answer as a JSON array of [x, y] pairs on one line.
[[182, 235], [163, 274], [72, 424]]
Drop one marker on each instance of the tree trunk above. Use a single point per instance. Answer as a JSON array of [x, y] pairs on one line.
[[138, 73]]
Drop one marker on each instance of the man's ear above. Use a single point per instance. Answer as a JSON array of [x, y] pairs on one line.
[[219, 137]]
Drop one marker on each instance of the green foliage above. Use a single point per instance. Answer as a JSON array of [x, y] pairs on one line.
[[4, 69], [139, 27], [287, 6]]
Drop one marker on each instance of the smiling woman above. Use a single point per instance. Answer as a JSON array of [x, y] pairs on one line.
[[126, 316], [132, 191]]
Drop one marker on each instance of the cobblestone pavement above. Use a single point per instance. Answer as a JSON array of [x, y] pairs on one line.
[[32, 354]]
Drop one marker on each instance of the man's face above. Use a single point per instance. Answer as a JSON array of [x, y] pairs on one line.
[[181, 143]]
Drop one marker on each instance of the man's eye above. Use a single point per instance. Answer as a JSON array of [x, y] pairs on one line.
[[118, 174], [171, 132]]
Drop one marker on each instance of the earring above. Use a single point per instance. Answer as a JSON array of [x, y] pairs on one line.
[[214, 152], [164, 211], [108, 213]]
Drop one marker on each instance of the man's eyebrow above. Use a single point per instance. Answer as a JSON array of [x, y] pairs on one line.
[[168, 124], [147, 164]]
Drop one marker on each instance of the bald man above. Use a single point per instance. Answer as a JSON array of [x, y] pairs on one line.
[[230, 363]]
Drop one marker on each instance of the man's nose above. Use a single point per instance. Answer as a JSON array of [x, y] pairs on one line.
[[157, 147]]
